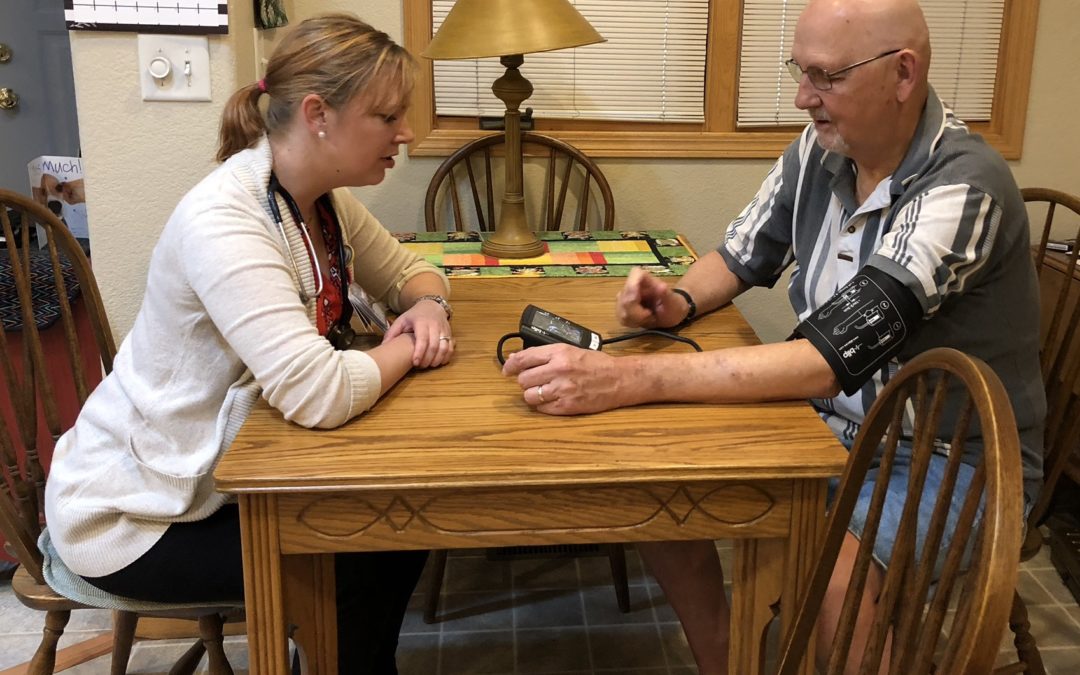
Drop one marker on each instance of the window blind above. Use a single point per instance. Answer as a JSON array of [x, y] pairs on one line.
[[964, 36], [652, 67]]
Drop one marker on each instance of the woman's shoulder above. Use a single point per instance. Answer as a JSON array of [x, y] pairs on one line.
[[242, 177], [231, 188]]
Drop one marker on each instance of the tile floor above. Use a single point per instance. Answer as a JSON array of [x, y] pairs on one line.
[[555, 616]]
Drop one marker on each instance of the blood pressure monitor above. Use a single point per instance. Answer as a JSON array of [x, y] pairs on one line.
[[541, 327]]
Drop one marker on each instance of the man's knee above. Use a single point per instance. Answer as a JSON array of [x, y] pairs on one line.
[[843, 570], [689, 559]]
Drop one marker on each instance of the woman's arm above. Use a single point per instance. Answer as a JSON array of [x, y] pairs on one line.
[[422, 285], [396, 275], [427, 318], [394, 359]]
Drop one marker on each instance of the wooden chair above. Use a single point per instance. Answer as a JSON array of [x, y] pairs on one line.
[[1060, 359], [569, 177], [913, 604], [48, 284]]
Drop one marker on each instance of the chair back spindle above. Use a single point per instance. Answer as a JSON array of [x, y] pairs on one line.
[[46, 282], [966, 561], [1059, 357], [461, 200], [54, 346], [1060, 344]]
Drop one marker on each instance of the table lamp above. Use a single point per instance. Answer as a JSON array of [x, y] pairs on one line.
[[509, 29]]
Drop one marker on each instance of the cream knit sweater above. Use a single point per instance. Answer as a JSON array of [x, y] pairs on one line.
[[221, 323]]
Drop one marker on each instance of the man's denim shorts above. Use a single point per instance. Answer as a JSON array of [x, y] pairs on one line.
[[896, 495]]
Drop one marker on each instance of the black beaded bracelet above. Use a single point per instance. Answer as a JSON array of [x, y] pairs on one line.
[[692, 312]]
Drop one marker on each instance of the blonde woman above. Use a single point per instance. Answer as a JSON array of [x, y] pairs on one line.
[[247, 296]]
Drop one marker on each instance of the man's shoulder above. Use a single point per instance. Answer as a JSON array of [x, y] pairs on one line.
[[964, 158]]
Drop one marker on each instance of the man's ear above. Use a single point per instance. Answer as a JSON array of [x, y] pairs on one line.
[[313, 111], [907, 74]]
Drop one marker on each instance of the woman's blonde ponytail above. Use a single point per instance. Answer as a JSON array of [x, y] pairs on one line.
[[241, 122]]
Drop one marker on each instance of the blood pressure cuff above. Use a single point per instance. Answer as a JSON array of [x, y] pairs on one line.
[[862, 326]]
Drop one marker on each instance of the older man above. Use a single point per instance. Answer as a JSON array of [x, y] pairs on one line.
[[885, 198]]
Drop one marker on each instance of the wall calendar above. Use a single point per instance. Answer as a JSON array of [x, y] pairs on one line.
[[182, 17]]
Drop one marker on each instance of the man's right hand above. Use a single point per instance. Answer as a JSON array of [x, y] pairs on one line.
[[647, 302]]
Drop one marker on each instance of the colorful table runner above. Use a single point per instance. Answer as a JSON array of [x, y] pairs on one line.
[[569, 254]]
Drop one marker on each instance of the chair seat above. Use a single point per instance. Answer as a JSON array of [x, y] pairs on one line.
[[40, 596], [70, 585]]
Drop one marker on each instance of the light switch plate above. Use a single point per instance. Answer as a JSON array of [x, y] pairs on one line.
[[174, 67]]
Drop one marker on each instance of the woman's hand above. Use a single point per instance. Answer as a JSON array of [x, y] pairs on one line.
[[434, 341]]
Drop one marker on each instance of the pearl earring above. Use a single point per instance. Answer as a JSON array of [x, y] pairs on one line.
[[322, 134]]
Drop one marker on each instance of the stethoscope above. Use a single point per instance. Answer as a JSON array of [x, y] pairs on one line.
[[339, 334], [273, 190]]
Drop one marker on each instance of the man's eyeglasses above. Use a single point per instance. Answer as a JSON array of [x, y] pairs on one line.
[[823, 79]]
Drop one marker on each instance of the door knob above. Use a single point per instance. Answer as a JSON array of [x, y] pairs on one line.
[[9, 100], [5, 53]]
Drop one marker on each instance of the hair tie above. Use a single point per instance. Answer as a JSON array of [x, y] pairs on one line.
[[262, 85]]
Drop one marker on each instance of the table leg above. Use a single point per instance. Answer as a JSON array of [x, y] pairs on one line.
[[767, 570], [310, 608], [803, 548], [263, 597], [756, 584]]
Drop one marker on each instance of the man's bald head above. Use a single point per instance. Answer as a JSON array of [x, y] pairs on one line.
[[876, 57], [863, 27]]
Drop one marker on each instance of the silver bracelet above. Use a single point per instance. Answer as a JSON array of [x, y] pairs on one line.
[[442, 302]]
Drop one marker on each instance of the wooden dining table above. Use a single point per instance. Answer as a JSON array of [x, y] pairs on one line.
[[454, 458]]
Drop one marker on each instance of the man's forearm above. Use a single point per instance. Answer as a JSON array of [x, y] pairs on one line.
[[711, 283], [786, 370]]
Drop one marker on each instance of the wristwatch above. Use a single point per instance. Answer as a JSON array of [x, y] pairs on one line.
[[442, 302], [691, 310]]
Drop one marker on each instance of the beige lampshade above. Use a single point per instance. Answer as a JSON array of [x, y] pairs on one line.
[[477, 28]]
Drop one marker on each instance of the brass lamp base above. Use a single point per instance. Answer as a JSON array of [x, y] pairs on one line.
[[512, 249], [512, 237], [509, 29]]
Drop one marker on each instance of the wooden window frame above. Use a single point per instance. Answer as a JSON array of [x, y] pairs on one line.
[[718, 135]]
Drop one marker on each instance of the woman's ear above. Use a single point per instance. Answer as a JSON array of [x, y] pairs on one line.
[[313, 112]]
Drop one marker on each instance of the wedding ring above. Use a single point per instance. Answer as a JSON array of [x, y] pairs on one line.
[[445, 338], [540, 393]]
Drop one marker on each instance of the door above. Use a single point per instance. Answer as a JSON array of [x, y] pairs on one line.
[[36, 68], [38, 72]]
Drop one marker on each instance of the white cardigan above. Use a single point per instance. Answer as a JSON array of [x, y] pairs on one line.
[[220, 323]]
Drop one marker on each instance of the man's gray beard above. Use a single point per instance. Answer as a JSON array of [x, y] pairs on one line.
[[838, 146]]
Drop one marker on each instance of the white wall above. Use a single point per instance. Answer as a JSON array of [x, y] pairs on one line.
[[141, 157]]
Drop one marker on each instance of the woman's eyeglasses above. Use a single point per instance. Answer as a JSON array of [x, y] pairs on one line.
[[822, 79]]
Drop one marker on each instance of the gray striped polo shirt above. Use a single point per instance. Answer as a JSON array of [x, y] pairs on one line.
[[949, 224]]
